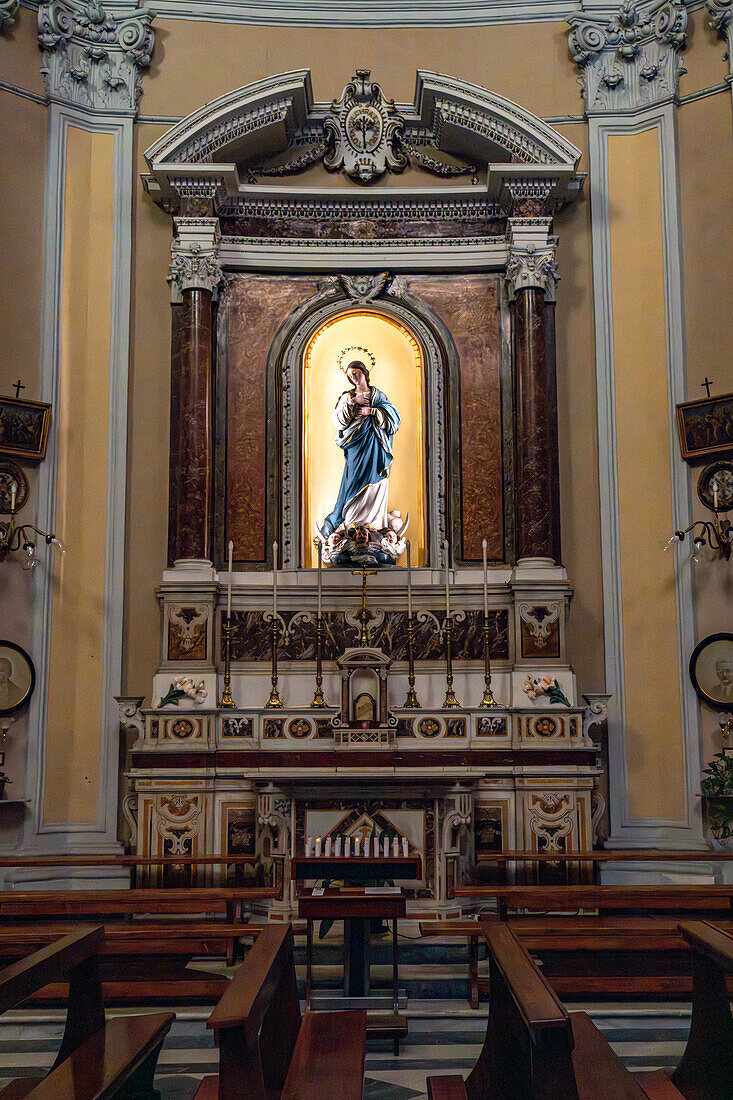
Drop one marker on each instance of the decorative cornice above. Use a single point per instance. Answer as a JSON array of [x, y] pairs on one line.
[[631, 60], [195, 255], [8, 11], [721, 20], [94, 57], [531, 256]]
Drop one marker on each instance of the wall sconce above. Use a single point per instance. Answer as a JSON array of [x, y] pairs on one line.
[[715, 490], [13, 536]]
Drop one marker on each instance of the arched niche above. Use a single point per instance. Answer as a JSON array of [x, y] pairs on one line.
[[439, 365]]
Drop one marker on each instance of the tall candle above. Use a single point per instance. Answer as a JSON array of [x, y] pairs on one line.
[[714, 487], [409, 581], [347, 847], [446, 548], [357, 845], [318, 846], [274, 580], [308, 847], [229, 581], [328, 846], [395, 847], [386, 846], [405, 847], [337, 847], [486, 585], [320, 574]]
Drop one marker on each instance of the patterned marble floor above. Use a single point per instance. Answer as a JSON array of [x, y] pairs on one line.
[[444, 1037]]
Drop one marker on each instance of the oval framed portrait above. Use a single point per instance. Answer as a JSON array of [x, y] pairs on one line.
[[17, 677], [711, 670]]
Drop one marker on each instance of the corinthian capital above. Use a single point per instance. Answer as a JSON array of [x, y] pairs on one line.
[[95, 56], [195, 255], [631, 60], [721, 19], [531, 256]]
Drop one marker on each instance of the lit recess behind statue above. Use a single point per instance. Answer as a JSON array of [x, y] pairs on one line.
[[360, 529], [399, 375]]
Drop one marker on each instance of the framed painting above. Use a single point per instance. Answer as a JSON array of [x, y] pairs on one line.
[[705, 427], [711, 670], [17, 677], [24, 427]]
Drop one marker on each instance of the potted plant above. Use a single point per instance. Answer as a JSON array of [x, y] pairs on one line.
[[717, 790]]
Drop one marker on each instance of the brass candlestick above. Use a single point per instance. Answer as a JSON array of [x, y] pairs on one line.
[[488, 697], [274, 701], [450, 699], [318, 700], [411, 702], [226, 700]]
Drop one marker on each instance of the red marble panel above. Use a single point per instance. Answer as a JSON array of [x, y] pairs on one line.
[[469, 306], [257, 306]]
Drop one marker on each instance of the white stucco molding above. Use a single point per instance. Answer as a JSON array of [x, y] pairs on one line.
[[195, 255], [630, 60], [94, 57], [8, 11], [208, 151], [531, 256], [721, 19]]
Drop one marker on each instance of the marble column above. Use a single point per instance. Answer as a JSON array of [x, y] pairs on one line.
[[531, 272], [195, 272]]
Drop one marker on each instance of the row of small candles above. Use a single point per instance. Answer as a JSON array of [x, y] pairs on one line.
[[340, 847]]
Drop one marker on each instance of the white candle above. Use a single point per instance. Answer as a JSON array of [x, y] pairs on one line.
[[715, 496], [486, 584], [13, 496], [337, 848], [318, 846], [395, 846], [320, 574], [347, 847], [405, 847], [409, 582], [386, 846], [308, 847], [446, 548], [229, 581], [274, 580], [357, 845], [328, 847]]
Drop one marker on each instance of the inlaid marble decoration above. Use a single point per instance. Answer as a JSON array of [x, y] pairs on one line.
[[187, 633], [251, 637], [236, 727]]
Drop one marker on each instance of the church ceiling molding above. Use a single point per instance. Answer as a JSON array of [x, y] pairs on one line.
[[272, 128]]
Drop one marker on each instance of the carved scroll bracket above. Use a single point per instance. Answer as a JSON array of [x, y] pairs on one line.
[[8, 11], [721, 20]]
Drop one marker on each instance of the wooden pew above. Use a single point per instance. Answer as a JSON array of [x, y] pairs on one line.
[[96, 1059], [565, 899], [267, 1050], [151, 900], [534, 1048], [706, 1069]]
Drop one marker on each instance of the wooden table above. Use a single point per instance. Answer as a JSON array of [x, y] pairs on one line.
[[355, 907]]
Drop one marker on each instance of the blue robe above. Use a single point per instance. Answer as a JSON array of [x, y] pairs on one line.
[[367, 448]]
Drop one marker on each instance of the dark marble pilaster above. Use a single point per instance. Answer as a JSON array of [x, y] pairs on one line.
[[536, 464], [195, 428]]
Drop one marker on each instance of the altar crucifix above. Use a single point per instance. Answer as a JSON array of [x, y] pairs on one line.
[[363, 614]]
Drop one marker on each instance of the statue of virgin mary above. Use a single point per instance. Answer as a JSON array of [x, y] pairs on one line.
[[366, 421]]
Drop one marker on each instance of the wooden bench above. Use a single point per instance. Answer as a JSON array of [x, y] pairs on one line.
[[533, 1048], [111, 903], [267, 1050], [97, 1059], [706, 1069], [611, 955], [566, 899]]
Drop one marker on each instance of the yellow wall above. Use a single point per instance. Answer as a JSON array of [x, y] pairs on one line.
[[75, 695], [22, 186], [652, 700]]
